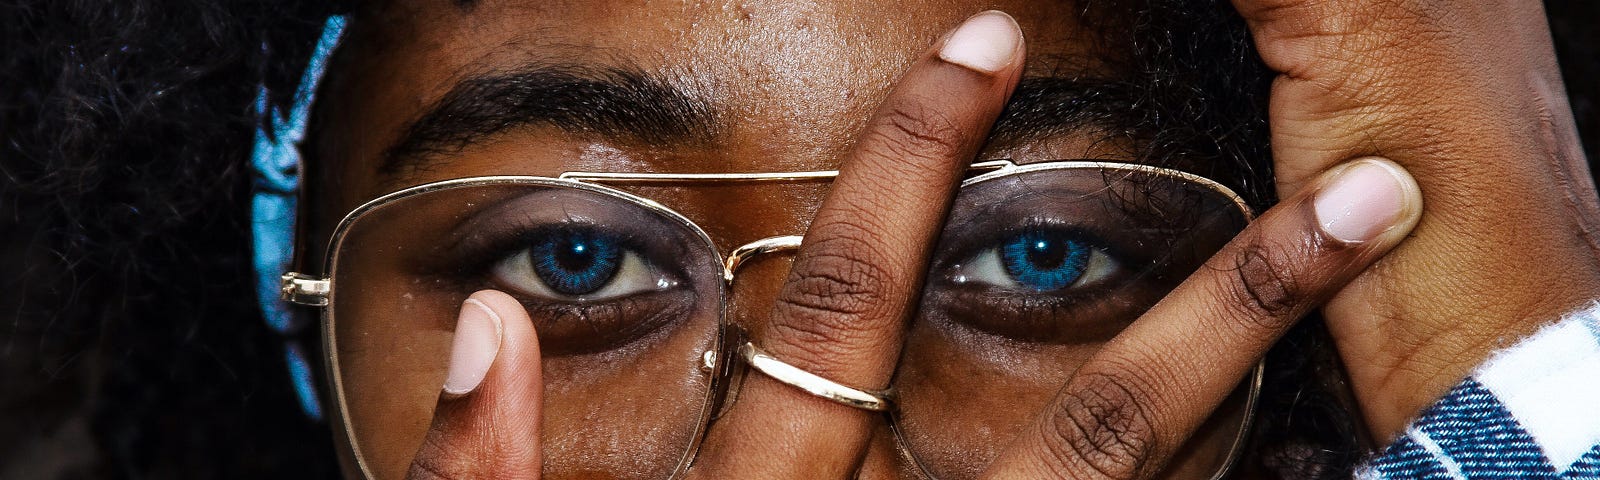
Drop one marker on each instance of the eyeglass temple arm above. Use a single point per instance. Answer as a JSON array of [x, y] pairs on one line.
[[636, 178]]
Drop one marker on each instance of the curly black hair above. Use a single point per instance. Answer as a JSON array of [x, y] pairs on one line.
[[133, 348]]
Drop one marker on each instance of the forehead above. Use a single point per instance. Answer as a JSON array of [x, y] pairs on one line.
[[789, 82]]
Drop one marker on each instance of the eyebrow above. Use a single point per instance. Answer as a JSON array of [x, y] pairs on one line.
[[611, 102], [631, 105]]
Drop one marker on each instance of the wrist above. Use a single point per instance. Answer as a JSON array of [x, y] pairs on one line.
[[1405, 343]]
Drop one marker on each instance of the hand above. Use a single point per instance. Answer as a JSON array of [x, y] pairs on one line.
[[1466, 96], [1128, 409]]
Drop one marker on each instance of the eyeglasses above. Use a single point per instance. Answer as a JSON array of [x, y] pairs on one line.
[[1036, 267]]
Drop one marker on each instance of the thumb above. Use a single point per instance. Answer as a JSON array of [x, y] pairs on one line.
[[488, 418]]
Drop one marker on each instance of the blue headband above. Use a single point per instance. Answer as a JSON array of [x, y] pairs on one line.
[[276, 162]]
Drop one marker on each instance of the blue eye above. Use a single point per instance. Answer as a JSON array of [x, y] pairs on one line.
[[578, 265], [1038, 260], [1044, 261], [575, 263]]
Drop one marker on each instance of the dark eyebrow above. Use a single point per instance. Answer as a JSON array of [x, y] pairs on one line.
[[610, 102], [629, 104]]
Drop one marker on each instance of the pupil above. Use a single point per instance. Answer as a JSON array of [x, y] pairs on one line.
[[575, 256], [1044, 260], [576, 263], [1047, 255]]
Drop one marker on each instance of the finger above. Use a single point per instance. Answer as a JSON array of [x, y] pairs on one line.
[[853, 284], [488, 418], [1128, 409]]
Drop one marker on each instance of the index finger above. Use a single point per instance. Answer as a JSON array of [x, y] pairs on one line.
[[1135, 402], [842, 310]]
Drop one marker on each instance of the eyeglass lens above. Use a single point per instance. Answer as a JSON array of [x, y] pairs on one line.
[[624, 299], [1034, 271]]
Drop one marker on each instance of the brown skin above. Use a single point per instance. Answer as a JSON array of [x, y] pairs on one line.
[[763, 85], [1467, 96], [762, 62], [394, 319]]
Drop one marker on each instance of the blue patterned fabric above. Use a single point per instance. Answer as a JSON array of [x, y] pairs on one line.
[[276, 164], [1531, 412], [1586, 467]]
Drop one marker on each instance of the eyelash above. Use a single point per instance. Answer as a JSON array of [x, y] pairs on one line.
[[474, 259], [967, 247], [1030, 316]]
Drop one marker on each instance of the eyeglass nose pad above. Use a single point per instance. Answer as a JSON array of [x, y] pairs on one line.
[[734, 370], [780, 244]]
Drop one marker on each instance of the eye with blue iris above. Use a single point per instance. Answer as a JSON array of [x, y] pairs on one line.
[[1039, 260], [585, 264]]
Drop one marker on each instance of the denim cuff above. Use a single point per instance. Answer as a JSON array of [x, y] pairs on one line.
[[1531, 411]]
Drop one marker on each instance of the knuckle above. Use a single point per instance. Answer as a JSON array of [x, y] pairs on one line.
[[844, 271], [433, 462], [836, 293], [1264, 286], [460, 444], [1101, 426], [914, 130]]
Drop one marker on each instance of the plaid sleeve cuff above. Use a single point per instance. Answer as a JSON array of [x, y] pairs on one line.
[[1532, 411]]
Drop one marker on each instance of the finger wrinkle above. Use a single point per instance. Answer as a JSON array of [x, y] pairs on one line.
[[1102, 425], [1262, 285], [910, 133]]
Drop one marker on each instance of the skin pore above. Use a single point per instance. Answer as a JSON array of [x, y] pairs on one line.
[[429, 91]]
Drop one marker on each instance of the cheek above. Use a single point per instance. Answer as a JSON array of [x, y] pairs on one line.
[[965, 395], [624, 412], [393, 340], [962, 401]]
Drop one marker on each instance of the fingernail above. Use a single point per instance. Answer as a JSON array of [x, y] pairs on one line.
[[1363, 201], [476, 343], [987, 42]]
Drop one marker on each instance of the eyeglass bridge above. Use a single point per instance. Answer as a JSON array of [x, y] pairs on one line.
[[785, 243], [637, 178]]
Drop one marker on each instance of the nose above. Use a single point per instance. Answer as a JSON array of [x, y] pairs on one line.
[[754, 273]]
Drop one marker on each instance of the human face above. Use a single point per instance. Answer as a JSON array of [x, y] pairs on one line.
[[747, 87]]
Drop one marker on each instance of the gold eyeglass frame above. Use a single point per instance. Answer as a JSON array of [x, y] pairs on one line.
[[318, 291]]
